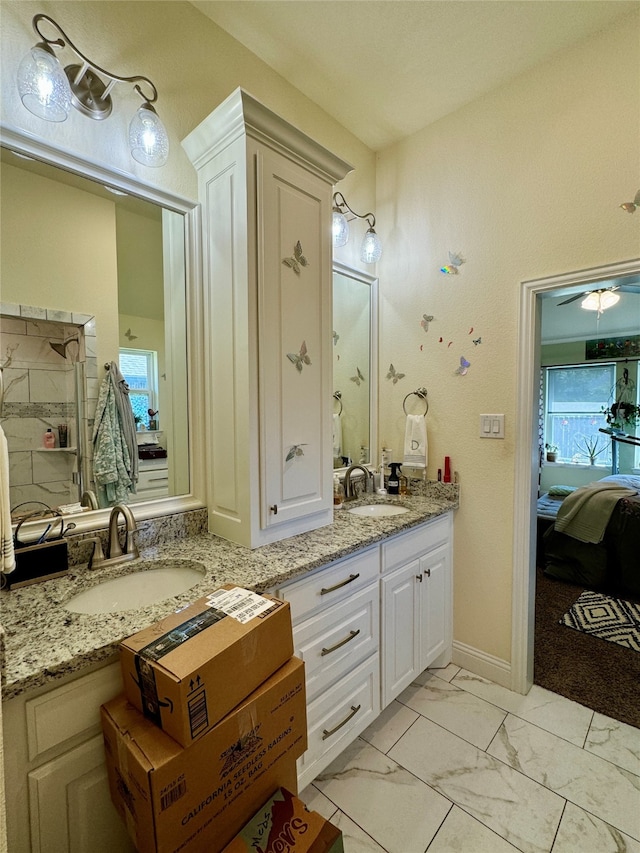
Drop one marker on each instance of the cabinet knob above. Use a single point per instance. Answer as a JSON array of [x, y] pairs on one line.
[[274, 509], [419, 578], [427, 572]]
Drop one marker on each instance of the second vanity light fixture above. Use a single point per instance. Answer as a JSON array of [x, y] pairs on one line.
[[371, 250], [48, 91]]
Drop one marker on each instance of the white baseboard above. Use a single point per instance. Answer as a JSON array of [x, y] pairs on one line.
[[480, 663]]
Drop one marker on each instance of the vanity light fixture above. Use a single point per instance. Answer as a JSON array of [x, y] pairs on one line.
[[600, 300], [48, 91], [630, 206], [371, 250]]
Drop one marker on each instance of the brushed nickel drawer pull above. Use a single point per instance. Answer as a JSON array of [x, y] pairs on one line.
[[350, 579], [348, 639], [354, 711]]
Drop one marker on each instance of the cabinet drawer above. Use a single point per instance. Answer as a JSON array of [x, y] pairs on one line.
[[333, 584], [333, 641], [337, 717], [157, 478], [60, 714], [401, 549]]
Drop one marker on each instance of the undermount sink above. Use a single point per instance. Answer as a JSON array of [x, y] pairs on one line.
[[378, 510], [153, 581]]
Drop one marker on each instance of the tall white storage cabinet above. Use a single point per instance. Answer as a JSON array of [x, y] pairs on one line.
[[266, 193]]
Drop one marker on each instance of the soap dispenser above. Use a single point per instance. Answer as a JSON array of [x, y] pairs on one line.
[[393, 483], [338, 492]]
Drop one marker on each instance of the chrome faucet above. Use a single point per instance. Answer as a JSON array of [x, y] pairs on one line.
[[349, 491], [116, 553]]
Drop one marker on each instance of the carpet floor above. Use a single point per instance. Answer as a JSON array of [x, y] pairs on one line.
[[603, 676]]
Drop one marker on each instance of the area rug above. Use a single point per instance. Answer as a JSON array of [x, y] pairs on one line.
[[611, 619]]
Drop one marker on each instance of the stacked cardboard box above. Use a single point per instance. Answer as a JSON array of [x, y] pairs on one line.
[[211, 723]]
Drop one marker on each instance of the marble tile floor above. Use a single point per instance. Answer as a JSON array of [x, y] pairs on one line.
[[458, 764]]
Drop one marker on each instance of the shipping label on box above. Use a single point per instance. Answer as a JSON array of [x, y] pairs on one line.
[[285, 825], [197, 798], [191, 668]]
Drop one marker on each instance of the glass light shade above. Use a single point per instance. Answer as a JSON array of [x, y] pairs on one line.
[[43, 85], [600, 300], [371, 250], [340, 229], [148, 138]]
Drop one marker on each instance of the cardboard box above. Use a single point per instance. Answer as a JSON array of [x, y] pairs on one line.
[[191, 668], [195, 799], [285, 825]]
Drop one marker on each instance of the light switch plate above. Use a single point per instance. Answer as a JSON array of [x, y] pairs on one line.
[[491, 426]]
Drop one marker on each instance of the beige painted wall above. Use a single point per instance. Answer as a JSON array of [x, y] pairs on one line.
[[525, 183]]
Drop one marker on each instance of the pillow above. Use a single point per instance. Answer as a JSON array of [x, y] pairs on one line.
[[629, 481], [561, 491]]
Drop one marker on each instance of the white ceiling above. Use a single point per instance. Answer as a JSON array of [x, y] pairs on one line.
[[387, 68]]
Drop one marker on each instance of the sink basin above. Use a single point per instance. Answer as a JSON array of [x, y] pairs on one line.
[[378, 510], [154, 580]]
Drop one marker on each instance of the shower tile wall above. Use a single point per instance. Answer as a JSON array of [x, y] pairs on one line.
[[39, 392]]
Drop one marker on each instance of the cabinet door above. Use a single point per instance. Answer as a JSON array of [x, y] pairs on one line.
[[436, 603], [294, 311], [401, 593], [70, 806]]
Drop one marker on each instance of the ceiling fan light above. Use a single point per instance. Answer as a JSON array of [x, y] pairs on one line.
[[599, 300]]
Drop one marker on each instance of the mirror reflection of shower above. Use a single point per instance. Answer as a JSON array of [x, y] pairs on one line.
[[61, 348]]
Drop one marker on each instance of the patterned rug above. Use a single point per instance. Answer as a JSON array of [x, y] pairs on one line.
[[611, 619]]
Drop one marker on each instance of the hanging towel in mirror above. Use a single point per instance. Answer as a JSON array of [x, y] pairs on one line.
[[337, 436], [7, 557], [415, 442]]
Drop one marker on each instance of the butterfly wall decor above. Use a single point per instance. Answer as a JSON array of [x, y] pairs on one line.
[[455, 262], [336, 338], [392, 374], [298, 260], [130, 336], [477, 341], [294, 450], [358, 378], [426, 319], [301, 358], [464, 366]]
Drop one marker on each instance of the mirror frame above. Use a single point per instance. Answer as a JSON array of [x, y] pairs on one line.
[[366, 278], [30, 146]]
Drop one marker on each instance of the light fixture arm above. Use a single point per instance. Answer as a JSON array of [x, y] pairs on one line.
[[87, 63], [370, 217]]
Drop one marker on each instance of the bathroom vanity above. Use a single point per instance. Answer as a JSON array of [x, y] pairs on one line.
[[371, 608]]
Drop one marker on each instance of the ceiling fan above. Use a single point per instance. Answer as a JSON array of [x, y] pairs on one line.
[[601, 298]]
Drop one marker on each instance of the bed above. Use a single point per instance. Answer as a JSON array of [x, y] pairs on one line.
[[613, 563]]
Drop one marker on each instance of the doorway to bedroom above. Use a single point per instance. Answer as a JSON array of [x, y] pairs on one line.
[[560, 407]]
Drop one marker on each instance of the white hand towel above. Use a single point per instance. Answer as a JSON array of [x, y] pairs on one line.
[[415, 442], [337, 436], [7, 557]]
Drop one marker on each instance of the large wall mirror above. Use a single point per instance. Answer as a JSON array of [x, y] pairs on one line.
[[94, 270], [355, 366]]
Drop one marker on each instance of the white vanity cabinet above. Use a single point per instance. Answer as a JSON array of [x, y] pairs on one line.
[[416, 592], [336, 618], [55, 774], [266, 194]]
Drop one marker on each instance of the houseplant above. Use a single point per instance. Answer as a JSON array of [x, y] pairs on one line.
[[591, 447], [552, 452], [622, 415]]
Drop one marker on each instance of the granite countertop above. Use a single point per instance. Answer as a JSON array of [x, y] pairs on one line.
[[43, 642]]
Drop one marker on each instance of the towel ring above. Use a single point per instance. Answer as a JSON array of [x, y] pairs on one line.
[[338, 396], [422, 394]]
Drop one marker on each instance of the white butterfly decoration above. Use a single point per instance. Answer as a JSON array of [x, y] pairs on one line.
[[294, 450], [455, 262], [298, 260], [301, 358], [464, 366], [336, 338], [358, 378], [129, 335], [393, 375], [426, 319]]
